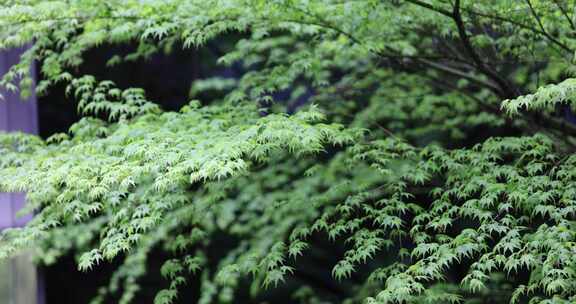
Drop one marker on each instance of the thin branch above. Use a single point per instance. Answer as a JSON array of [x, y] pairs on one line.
[[324, 23], [535, 15], [430, 7], [432, 57], [326, 26], [534, 122], [503, 89], [483, 104], [459, 73], [452, 49], [565, 14], [505, 86], [520, 25]]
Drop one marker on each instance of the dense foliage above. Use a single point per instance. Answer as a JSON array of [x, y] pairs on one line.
[[429, 158]]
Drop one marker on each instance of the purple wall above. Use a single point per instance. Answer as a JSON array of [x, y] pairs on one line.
[[15, 115]]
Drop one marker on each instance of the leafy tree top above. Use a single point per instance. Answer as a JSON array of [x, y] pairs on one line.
[[396, 173]]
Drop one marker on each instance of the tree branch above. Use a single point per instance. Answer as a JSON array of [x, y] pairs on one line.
[[538, 20], [565, 14], [520, 25], [459, 73], [505, 87], [430, 7]]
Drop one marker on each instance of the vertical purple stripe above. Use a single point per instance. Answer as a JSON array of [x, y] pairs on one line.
[[5, 210], [41, 287], [17, 115]]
